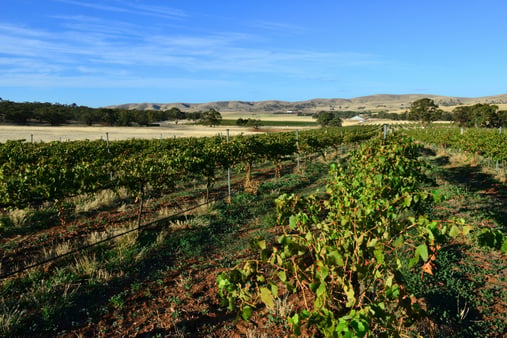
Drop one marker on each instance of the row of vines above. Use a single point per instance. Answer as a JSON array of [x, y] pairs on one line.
[[343, 256], [490, 143], [33, 173]]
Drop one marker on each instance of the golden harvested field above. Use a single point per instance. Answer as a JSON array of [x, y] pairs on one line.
[[72, 133], [165, 130]]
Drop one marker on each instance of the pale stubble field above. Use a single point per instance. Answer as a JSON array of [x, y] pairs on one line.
[[73, 133], [37, 133]]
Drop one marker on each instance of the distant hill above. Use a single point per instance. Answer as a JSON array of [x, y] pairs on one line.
[[373, 102]]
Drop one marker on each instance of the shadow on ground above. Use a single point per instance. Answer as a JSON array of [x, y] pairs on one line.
[[472, 179]]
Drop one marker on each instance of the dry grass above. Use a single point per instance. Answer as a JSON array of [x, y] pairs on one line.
[[473, 160], [85, 265], [59, 250], [88, 266], [100, 200], [165, 212], [97, 236], [252, 333], [499, 174], [18, 217], [161, 236], [72, 133], [9, 316], [282, 307], [127, 240]]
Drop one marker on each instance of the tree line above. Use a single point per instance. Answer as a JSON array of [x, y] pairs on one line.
[[55, 114], [425, 110], [483, 115]]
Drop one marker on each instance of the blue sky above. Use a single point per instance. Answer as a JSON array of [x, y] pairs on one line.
[[105, 52]]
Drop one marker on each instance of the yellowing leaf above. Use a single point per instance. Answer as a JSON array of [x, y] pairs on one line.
[[267, 297], [261, 244], [466, 229], [274, 289], [454, 231], [389, 281], [351, 299]]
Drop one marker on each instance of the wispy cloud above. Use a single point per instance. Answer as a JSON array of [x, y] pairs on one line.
[[128, 7], [93, 26], [93, 51], [279, 27], [159, 11]]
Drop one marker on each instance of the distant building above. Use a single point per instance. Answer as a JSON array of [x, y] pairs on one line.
[[358, 118]]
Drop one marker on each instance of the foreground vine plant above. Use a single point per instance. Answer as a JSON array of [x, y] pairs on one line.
[[341, 256]]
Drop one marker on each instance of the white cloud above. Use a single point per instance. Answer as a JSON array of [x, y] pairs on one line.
[[101, 52]]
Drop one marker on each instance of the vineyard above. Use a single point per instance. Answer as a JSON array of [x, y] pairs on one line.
[[40, 172], [198, 233], [488, 143]]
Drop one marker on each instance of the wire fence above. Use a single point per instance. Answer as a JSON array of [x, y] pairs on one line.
[[82, 248]]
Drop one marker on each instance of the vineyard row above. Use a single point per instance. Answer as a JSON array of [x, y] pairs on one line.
[[490, 143], [33, 173]]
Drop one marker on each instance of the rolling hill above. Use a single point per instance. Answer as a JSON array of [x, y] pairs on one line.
[[378, 102]]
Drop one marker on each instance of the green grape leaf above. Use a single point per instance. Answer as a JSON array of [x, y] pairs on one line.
[[422, 251], [246, 312]]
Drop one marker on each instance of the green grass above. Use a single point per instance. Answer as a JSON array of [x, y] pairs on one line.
[[464, 296]]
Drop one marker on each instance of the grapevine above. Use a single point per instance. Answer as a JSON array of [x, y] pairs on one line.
[[342, 253]]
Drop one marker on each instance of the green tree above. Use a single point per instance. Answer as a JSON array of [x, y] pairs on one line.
[[324, 117], [54, 114], [211, 117], [329, 119], [502, 118], [254, 123], [176, 114], [18, 113], [462, 115], [485, 115], [110, 116], [424, 110], [141, 117], [125, 117], [241, 122], [479, 115]]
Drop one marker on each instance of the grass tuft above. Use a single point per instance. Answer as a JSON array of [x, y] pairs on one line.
[[19, 217], [9, 317], [104, 199]]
